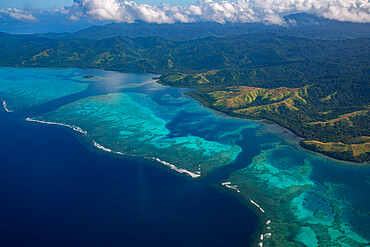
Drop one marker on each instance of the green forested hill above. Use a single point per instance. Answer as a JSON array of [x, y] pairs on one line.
[[317, 88]]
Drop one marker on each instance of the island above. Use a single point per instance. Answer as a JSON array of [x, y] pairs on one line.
[[318, 89]]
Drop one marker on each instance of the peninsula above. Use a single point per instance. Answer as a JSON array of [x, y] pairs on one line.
[[319, 89]]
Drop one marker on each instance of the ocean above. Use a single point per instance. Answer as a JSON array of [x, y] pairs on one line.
[[119, 160]]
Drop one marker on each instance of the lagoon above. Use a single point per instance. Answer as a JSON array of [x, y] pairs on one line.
[[118, 156]]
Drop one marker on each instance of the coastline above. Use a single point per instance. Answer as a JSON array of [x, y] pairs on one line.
[[284, 196], [294, 140], [284, 133], [156, 78]]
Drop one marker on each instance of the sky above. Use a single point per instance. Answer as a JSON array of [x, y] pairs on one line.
[[38, 4], [74, 13], [49, 4]]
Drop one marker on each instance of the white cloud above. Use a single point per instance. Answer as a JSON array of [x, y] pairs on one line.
[[18, 14], [342, 10], [274, 19], [266, 11], [269, 11], [103, 10], [73, 18], [150, 13]]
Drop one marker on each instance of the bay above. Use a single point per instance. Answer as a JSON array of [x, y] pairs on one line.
[[119, 160]]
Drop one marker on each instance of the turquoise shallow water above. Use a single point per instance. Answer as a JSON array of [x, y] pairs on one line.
[[23, 87], [302, 199], [134, 124], [302, 208], [151, 121]]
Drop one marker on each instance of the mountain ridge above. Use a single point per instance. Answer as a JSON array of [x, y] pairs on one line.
[[299, 25]]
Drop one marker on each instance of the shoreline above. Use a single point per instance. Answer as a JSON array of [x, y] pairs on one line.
[[280, 131], [287, 135], [156, 78], [294, 140]]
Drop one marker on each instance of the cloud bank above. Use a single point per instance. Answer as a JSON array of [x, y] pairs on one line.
[[18, 14], [245, 11]]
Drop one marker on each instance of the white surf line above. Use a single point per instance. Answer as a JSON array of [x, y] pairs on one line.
[[258, 206], [268, 227], [262, 236], [105, 149], [173, 167], [76, 128], [101, 147], [266, 235], [5, 108], [233, 187]]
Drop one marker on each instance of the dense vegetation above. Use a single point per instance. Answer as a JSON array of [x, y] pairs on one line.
[[317, 88]]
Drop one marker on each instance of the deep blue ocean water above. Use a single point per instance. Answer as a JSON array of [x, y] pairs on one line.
[[55, 192], [57, 189]]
